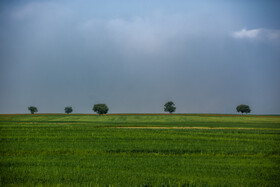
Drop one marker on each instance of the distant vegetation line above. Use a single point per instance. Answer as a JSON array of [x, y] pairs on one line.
[[169, 107], [163, 114]]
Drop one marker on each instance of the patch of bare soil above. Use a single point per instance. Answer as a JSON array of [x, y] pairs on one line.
[[193, 128]]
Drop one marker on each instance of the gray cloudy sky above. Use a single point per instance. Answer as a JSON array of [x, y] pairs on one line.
[[206, 56]]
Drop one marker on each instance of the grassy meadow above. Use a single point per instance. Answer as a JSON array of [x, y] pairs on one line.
[[180, 150]]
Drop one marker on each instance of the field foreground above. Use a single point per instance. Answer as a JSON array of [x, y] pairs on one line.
[[139, 150]]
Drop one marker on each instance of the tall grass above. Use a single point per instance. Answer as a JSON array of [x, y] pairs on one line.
[[84, 150]]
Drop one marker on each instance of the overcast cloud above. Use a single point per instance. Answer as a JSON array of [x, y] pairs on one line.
[[136, 55], [264, 34]]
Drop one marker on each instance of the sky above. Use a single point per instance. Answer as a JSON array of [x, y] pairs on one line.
[[134, 56]]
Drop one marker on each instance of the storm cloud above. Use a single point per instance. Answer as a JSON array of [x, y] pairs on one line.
[[134, 56]]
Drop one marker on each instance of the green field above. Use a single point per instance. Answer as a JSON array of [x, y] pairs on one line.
[[88, 150]]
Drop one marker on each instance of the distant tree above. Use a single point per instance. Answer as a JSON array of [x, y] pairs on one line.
[[243, 109], [68, 109], [32, 109], [100, 108], [169, 107]]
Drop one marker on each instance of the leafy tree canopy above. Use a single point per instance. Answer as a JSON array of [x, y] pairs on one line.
[[32, 109], [68, 109], [100, 108], [243, 109], [169, 107]]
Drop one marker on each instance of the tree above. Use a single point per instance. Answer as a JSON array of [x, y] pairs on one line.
[[68, 109], [32, 109], [169, 107], [243, 109], [100, 108]]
